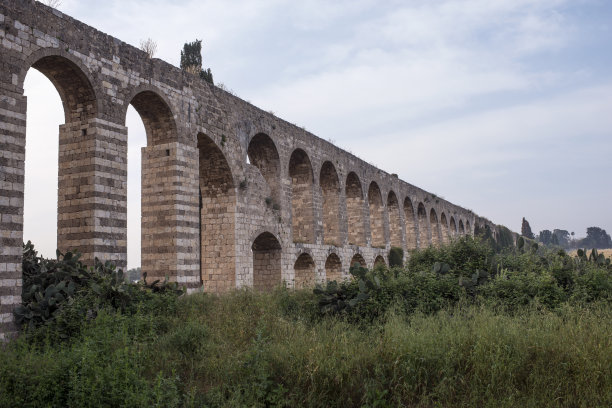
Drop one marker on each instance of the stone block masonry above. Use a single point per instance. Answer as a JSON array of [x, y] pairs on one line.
[[232, 196]]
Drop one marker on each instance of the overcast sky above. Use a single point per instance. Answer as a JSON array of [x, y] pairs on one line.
[[500, 106]]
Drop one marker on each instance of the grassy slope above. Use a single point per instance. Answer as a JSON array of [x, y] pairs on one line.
[[249, 349]]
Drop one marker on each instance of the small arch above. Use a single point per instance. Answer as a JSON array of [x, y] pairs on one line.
[[434, 225], [422, 223], [380, 261], [217, 209], [263, 154], [444, 231], [266, 262], [333, 268], [354, 204], [358, 258], [395, 221], [377, 210], [302, 211], [156, 116], [411, 229], [330, 188], [304, 269], [461, 228], [453, 227]]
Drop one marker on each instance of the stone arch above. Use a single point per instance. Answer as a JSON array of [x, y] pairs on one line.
[[444, 231], [411, 230], [333, 268], [422, 223], [377, 211], [434, 226], [79, 224], [461, 228], [304, 269], [302, 211], [217, 209], [263, 154], [453, 227], [395, 221], [71, 79], [379, 260], [266, 261], [358, 258], [468, 229], [354, 204], [330, 188], [156, 115]]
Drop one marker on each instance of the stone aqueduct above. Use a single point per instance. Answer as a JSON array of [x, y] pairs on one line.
[[232, 196]]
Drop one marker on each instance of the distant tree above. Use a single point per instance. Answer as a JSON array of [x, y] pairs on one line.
[[526, 230], [53, 3], [149, 46], [545, 237], [563, 237], [596, 238], [191, 61]]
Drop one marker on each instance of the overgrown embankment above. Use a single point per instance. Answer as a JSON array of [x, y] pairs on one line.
[[458, 326]]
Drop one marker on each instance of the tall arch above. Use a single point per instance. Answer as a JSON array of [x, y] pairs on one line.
[[330, 188], [262, 153], [410, 224], [395, 221], [453, 227], [423, 230], [217, 209], [444, 231], [302, 212], [354, 204], [333, 268], [434, 225], [304, 269], [461, 228], [377, 211], [266, 262]]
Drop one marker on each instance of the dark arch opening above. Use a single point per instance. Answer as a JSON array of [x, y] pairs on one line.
[[453, 227], [461, 228], [380, 261], [266, 262], [262, 153], [358, 259], [411, 225], [434, 228], [445, 238], [333, 268], [330, 188], [217, 210], [302, 211], [422, 220], [354, 204], [468, 230], [376, 215], [395, 221], [304, 269]]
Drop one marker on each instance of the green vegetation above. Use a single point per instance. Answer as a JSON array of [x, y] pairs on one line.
[[530, 329]]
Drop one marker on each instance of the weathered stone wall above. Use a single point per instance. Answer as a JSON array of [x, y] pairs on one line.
[[277, 203]]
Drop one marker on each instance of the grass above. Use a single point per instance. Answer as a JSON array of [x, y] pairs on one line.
[[253, 349]]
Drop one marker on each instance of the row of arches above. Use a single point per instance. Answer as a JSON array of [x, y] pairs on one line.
[[267, 266], [418, 227]]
